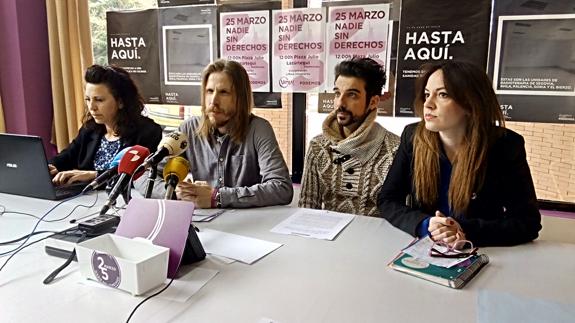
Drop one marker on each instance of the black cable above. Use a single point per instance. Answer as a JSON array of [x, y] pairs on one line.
[[50, 278], [21, 247], [24, 237], [83, 217], [147, 298], [74, 209], [21, 213], [4, 211], [39, 221]]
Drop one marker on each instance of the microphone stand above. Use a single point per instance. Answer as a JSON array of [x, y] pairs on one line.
[[150, 182], [169, 193]]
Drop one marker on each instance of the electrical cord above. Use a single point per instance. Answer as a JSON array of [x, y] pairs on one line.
[[21, 248], [3, 211], [147, 298], [42, 219], [50, 278], [24, 237], [74, 209]]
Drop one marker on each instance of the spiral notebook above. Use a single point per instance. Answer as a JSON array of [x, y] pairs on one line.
[[454, 277]]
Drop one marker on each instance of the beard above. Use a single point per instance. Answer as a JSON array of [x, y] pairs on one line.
[[219, 118], [349, 118]]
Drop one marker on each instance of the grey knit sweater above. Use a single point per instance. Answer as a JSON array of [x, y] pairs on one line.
[[345, 174]]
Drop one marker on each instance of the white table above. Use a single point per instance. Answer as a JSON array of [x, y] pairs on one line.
[[306, 280]]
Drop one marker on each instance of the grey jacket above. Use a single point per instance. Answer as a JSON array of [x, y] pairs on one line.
[[249, 174]]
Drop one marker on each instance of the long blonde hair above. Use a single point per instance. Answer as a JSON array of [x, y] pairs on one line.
[[239, 124], [470, 87]]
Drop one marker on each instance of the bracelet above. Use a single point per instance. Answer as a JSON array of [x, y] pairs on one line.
[[215, 192], [218, 199]]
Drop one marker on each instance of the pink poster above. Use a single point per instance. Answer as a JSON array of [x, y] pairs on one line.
[[299, 50], [245, 39], [356, 31]]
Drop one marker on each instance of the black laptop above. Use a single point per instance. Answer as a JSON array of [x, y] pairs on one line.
[[24, 169]]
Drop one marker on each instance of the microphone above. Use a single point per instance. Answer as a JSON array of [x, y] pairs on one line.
[[108, 174], [132, 158], [175, 171], [171, 145]]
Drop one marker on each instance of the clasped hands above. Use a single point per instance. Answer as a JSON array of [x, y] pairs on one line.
[[445, 229], [198, 192]]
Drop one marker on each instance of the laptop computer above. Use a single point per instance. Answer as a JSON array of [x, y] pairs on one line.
[[24, 169]]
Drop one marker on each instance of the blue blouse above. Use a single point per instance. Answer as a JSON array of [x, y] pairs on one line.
[[105, 153]]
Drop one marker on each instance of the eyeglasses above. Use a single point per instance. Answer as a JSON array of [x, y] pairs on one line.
[[460, 249]]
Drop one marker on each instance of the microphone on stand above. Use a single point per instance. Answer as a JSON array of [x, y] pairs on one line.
[[175, 171], [108, 174], [133, 158], [171, 145]]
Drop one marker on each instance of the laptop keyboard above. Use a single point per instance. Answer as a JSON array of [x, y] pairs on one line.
[[69, 190]]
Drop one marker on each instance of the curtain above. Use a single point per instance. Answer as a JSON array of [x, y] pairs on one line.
[[70, 44], [2, 122]]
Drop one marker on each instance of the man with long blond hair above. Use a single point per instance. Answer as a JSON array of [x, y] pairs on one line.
[[465, 174], [234, 155]]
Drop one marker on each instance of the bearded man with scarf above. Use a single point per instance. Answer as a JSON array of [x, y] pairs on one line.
[[346, 165]]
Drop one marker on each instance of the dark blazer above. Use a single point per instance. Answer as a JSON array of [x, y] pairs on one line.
[[81, 152], [502, 212]]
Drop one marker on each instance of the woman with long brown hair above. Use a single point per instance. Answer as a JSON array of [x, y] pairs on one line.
[[459, 174]]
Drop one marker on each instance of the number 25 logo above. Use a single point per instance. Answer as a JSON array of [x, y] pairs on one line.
[[103, 270]]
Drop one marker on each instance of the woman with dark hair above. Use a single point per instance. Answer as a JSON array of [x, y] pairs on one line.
[[113, 120], [463, 175]]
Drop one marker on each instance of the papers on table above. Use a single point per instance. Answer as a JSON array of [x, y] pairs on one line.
[[311, 223], [206, 215], [244, 249], [420, 250]]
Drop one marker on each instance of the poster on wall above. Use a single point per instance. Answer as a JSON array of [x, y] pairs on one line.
[[188, 44], [356, 31], [244, 38], [532, 62], [268, 99], [386, 100], [298, 50], [434, 31], [173, 3], [133, 45]]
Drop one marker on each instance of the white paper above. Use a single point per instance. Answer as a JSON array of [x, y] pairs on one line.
[[221, 259], [420, 250], [311, 223], [206, 215], [241, 248]]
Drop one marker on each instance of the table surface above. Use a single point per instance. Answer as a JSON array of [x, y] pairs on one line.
[[306, 280]]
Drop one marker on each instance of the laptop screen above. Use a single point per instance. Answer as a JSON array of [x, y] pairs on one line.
[[24, 168]]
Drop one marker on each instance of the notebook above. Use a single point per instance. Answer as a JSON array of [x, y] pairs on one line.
[[24, 169], [454, 277]]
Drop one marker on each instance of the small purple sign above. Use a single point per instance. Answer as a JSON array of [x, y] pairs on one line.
[[106, 269]]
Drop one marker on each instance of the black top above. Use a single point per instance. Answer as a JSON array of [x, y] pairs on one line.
[[81, 152], [502, 212]]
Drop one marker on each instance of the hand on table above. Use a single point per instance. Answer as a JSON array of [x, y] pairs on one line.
[[198, 192]]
